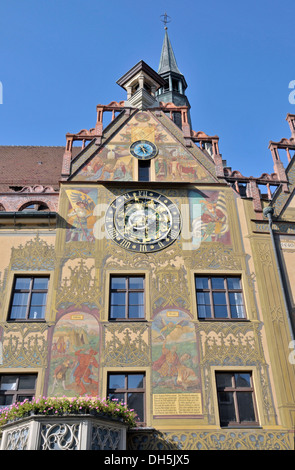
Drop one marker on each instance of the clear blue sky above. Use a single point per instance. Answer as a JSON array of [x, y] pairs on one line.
[[60, 58]]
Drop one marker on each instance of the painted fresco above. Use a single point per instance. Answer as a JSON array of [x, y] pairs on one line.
[[80, 216], [209, 218], [208, 214], [74, 356], [174, 163], [174, 353], [114, 162]]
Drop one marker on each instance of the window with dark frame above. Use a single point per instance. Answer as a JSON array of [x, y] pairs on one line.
[[177, 119], [219, 297], [127, 298], [128, 388], [29, 298], [144, 170], [16, 388], [236, 399]]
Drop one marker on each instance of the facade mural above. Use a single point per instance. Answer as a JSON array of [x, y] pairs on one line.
[[209, 217], [80, 216], [74, 356], [137, 314], [115, 163], [174, 353]]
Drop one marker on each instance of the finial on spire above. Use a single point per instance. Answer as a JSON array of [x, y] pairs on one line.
[[166, 19]]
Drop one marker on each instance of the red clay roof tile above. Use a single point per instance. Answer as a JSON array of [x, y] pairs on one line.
[[30, 165]]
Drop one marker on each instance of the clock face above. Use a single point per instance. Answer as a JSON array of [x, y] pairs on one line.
[[143, 149], [143, 221]]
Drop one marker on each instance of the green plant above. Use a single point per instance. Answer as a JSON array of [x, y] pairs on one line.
[[64, 405]]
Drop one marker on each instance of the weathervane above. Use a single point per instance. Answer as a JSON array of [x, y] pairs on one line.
[[166, 19]]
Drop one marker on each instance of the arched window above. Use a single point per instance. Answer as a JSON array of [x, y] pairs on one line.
[[34, 207]]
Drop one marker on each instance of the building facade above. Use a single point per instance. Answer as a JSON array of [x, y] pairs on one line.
[[136, 264]]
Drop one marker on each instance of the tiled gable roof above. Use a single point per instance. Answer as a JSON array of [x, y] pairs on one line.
[[30, 165]]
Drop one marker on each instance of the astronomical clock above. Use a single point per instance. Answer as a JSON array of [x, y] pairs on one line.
[[144, 221]]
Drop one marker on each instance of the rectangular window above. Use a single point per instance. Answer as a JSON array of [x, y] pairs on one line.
[[236, 399], [29, 298], [177, 119], [16, 388], [144, 170], [220, 297], [128, 388], [127, 298]]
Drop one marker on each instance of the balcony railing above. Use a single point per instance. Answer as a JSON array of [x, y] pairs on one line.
[[69, 432]]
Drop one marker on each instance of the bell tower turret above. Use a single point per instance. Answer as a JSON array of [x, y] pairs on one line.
[[175, 84], [141, 84]]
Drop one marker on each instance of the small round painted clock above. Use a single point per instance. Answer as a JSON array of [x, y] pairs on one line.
[[143, 221], [143, 149]]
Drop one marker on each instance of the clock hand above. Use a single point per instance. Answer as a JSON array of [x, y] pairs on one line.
[[143, 149]]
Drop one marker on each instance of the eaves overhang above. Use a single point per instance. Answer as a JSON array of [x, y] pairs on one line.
[[141, 66], [28, 219]]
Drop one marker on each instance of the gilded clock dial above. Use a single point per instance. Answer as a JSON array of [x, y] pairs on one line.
[[143, 149], [143, 221]]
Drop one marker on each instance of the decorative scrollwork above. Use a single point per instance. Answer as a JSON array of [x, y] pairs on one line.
[[234, 350], [60, 436], [231, 343], [18, 438], [211, 440], [170, 288], [24, 345], [105, 438], [81, 288], [126, 345], [76, 249], [234, 344], [34, 255], [215, 256], [264, 254], [168, 275]]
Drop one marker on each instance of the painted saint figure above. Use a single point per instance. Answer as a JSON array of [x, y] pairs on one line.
[[167, 363]]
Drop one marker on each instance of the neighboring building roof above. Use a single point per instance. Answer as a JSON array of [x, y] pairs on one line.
[[30, 165]]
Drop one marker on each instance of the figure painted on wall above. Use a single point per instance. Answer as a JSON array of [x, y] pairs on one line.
[[174, 353], [176, 164], [166, 365], [112, 163], [59, 376], [209, 219], [123, 169], [74, 356], [80, 216], [83, 372], [161, 168]]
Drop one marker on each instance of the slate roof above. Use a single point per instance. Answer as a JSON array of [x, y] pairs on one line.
[[167, 61]]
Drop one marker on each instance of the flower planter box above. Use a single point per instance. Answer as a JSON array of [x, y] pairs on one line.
[[68, 432]]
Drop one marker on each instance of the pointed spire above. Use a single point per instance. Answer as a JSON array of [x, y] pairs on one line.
[[174, 89], [167, 61]]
